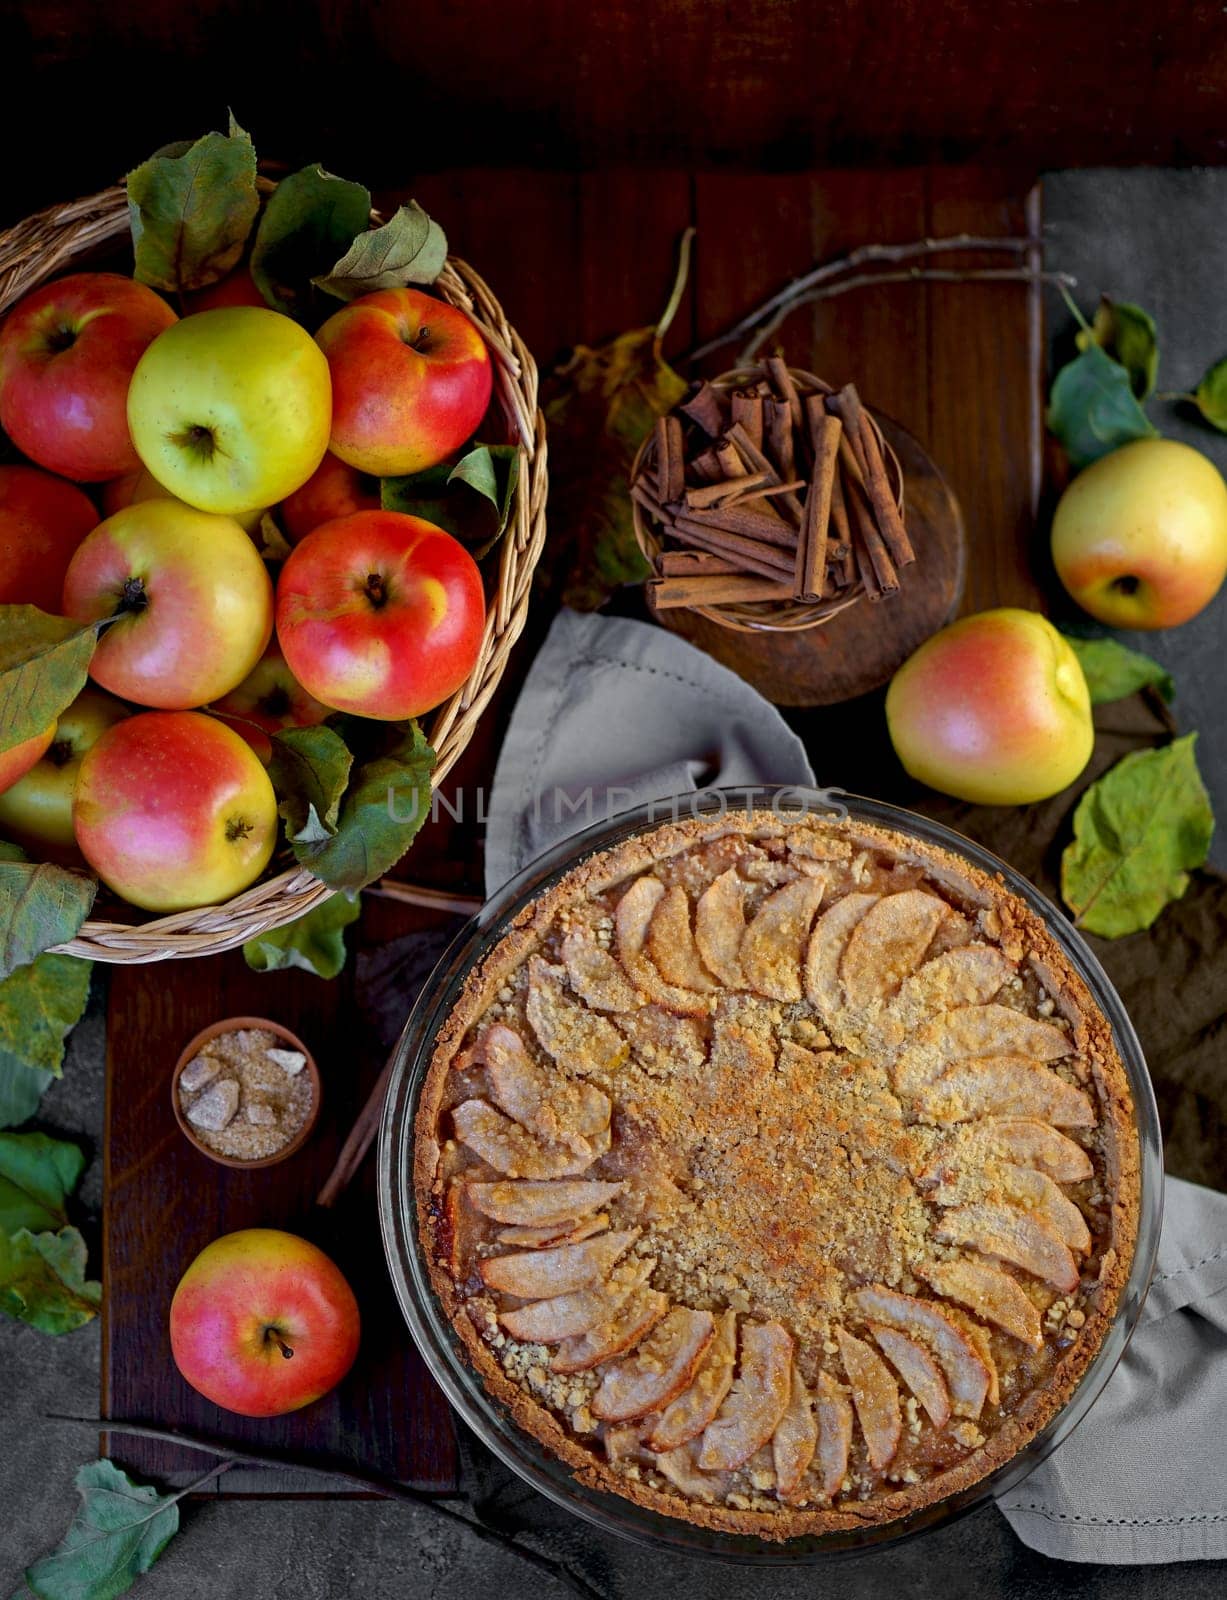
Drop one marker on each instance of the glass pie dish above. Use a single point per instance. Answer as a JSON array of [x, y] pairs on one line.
[[445, 1351]]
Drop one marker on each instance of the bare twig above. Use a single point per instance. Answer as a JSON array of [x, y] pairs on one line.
[[415, 894], [361, 1138], [792, 294], [373, 1482], [912, 275]]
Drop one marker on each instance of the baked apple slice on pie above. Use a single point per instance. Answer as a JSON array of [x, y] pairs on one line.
[[776, 1173]]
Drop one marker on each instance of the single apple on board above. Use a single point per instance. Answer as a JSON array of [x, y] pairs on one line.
[[380, 614], [140, 485], [269, 698], [334, 490], [37, 810], [263, 1323], [174, 810], [17, 760], [411, 380], [67, 353], [42, 521], [230, 409], [192, 600], [993, 709], [1140, 537]]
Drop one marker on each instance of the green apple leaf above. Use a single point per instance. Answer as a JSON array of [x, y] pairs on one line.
[[1138, 833], [40, 1004], [308, 221], [1092, 409], [44, 661], [21, 1090], [1128, 334], [1210, 396], [386, 802], [410, 248], [491, 470], [119, 1531], [41, 905], [309, 768], [37, 1175], [43, 1282], [315, 942], [1113, 671], [191, 211]]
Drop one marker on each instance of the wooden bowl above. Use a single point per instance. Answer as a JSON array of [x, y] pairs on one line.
[[292, 1042]]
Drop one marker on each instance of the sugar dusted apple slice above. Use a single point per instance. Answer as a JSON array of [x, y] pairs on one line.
[[990, 1293], [888, 944], [566, 1316], [918, 1370], [1032, 1143], [632, 920], [754, 1405], [981, 1341], [967, 976], [511, 1150], [569, 1232], [774, 942], [832, 931], [795, 1438], [538, 1205], [595, 976], [657, 1372], [1018, 1237], [690, 1413], [997, 1030], [542, 1274], [720, 925], [578, 1039], [1037, 1193], [636, 1316], [833, 1410], [546, 1103], [875, 1394], [966, 1375], [671, 943], [1003, 1086], [682, 1471]]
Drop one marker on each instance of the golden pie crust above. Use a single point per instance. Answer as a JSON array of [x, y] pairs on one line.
[[778, 1173]]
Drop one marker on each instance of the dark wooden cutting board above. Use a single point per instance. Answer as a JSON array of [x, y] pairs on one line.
[[571, 257]]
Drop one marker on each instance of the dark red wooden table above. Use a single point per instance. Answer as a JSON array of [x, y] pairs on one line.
[[572, 258]]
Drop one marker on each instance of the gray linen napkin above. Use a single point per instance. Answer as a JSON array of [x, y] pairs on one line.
[[1142, 1479]]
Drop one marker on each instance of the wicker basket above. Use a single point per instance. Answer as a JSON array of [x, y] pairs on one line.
[[762, 616], [72, 236]]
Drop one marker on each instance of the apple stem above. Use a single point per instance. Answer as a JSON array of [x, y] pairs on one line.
[[133, 597], [275, 1338], [376, 590]]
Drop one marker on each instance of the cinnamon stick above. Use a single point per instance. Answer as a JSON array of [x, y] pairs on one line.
[[717, 591], [707, 407], [782, 379], [670, 466], [711, 494], [706, 467], [825, 431], [750, 554], [745, 520], [756, 460], [692, 564], [641, 492], [847, 404], [867, 537], [780, 445], [747, 412], [732, 460]]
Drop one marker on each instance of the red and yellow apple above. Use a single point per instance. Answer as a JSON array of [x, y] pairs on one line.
[[269, 699], [42, 521], [230, 409], [67, 353], [37, 810], [1140, 537], [17, 760], [334, 490], [380, 614], [140, 485], [174, 810], [993, 709], [191, 599], [411, 380], [237, 288], [263, 1323]]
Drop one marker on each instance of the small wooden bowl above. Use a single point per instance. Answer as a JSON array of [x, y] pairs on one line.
[[762, 616], [292, 1042]]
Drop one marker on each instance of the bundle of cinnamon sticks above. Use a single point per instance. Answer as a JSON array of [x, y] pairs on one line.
[[775, 490]]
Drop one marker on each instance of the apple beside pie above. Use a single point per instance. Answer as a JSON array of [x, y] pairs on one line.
[[778, 1173]]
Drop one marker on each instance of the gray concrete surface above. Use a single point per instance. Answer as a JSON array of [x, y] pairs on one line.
[[1155, 237]]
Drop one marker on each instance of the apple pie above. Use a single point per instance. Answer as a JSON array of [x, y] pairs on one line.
[[778, 1172]]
